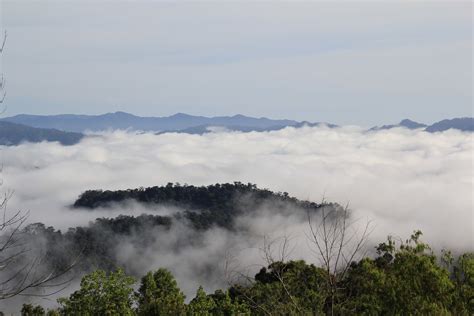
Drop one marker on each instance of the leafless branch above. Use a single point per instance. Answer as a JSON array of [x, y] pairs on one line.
[[284, 253], [3, 92], [273, 251], [3, 41], [20, 269], [337, 243]]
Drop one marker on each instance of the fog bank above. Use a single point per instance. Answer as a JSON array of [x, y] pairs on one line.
[[401, 179]]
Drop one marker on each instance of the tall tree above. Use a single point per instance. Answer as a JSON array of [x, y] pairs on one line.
[[201, 305], [403, 280], [463, 276], [159, 294], [30, 310], [101, 293]]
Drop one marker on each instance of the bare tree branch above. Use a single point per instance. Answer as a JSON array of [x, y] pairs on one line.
[[3, 92], [20, 269], [4, 41], [337, 243]]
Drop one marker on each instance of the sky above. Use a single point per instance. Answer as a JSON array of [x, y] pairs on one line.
[[362, 63]]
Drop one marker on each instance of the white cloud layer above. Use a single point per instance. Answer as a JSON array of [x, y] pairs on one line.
[[402, 180]]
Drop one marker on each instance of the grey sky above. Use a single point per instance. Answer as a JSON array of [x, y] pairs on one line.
[[342, 62]]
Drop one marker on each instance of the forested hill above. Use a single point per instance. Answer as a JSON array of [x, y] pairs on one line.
[[200, 208], [403, 278], [204, 206], [12, 134]]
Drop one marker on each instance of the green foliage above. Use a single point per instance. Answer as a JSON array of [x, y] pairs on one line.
[[463, 277], [204, 207], [159, 295], [225, 306], [101, 294], [403, 281], [30, 310], [289, 288], [96, 243], [217, 304], [211, 205], [201, 305]]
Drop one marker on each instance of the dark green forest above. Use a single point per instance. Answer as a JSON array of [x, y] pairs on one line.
[[401, 278], [201, 208], [204, 206]]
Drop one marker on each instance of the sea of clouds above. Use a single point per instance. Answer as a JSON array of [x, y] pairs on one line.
[[398, 179]]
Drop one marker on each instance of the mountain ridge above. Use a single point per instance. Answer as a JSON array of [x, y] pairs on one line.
[[123, 120], [465, 124], [191, 124], [12, 134]]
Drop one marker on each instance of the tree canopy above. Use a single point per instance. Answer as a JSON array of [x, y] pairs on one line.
[[403, 279]]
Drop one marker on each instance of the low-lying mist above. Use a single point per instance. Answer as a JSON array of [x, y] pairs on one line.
[[399, 179]]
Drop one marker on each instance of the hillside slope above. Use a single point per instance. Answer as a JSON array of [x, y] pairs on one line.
[[13, 134]]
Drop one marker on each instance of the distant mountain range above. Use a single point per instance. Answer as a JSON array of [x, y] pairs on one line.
[[203, 129], [15, 134], [122, 120], [465, 124], [68, 129], [404, 123]]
